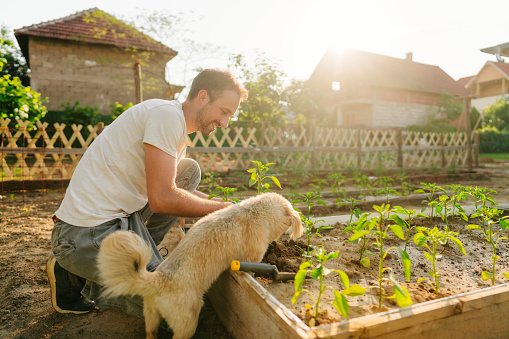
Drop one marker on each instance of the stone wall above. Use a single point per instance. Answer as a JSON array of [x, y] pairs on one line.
[[93, 74]]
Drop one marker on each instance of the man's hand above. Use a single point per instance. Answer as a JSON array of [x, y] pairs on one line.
[[163, 194]]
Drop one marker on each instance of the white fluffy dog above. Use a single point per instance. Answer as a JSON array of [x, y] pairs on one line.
[[174, 291]]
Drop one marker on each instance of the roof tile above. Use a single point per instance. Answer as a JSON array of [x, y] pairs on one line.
[[97, 27]]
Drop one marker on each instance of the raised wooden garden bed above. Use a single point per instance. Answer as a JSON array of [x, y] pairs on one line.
[[247, 310]]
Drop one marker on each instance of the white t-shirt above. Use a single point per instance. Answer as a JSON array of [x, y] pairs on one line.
[[109, 181]]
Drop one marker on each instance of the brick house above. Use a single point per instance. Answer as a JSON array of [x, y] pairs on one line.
[[376, 91], [88, 57]]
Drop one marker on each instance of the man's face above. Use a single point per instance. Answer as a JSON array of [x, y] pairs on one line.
[[217, 113]]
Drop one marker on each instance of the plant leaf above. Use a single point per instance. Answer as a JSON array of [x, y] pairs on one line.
[[299, 279], [398, 231], [344, 278], [315, 273], [486, 275], [296, 296], [459, 244], [506, 275], [473, 227], [428, 256], [358, 235], [365, 262], [407, 264], [354, 290], [276, 181], [341, 304]]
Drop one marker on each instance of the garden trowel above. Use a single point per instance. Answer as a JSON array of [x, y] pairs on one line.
[[265, 270]]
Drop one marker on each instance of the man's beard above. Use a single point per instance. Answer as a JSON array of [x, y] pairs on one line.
[[205, 126]]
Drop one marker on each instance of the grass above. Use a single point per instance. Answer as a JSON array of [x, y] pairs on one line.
[[494, 156]]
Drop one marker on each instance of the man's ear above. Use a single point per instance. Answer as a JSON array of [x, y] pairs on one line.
[[203, 97]]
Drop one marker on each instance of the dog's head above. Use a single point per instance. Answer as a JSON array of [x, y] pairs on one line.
[[293, 223]]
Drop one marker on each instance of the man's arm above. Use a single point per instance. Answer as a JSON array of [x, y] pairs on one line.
[[163, 194]]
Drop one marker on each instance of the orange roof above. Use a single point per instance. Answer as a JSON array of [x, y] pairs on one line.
[[92, 26], [463, 81], [383, 71], [502, 66]]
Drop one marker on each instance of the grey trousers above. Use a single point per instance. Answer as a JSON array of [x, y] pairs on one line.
[[76, 248]]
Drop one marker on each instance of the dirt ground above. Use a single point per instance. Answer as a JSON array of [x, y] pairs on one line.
[[26, 312]]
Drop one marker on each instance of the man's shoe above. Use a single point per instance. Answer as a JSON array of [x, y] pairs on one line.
[[66, 290]]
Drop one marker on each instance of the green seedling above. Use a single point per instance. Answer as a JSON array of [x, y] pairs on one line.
[[338, 179], [319, 185], [354, 210], [459, 194], [425, 237], [310, 199], [431, 200], [317, 270], [380, 232], [406, 224], [361, 230], [226, 193], [443, 210], [211, 180], [258, 177], [385, 184], [489, 217], [363, 184], [405, 186]]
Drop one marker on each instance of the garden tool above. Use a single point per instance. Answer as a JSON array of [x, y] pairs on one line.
[[265, 270]]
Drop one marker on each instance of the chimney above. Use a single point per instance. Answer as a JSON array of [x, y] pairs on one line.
[[409, 56]]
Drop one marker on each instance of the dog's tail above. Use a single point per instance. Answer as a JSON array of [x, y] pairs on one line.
[[122, 262]]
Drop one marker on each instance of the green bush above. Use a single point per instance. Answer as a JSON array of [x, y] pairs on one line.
[[491, 140], [16, 100], [80, 115], [117, 109]]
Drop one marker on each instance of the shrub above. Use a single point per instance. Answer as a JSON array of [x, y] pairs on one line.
[[80, 115], [117, 109], [491, 140]]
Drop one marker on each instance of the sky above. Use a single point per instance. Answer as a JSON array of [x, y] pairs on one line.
[[297, 33]]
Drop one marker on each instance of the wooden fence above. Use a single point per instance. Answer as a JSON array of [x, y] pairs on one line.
[[52, 153]]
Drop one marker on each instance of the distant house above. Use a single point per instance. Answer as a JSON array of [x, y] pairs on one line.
[[377, 91], [88, 57], [489, 85]]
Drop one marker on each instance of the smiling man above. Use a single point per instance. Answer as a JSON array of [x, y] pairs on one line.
[[135, 176]]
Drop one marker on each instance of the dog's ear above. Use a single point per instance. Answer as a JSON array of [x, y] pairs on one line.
[[296, 223]]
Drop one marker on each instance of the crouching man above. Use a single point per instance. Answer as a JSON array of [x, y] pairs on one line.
[[135, 177]]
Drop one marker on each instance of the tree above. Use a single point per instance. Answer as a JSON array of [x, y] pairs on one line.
[[15, 63], [303, 102], [265, 83], [16, 100], [497, 114], [173, 29]]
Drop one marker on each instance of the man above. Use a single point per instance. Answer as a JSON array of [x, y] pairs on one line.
[[134, 177]]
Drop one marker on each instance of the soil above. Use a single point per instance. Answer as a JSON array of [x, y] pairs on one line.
[[458, 273], [26, 311]]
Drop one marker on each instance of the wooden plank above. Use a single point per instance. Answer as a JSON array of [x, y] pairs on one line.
[[41, 150], [247, 310]]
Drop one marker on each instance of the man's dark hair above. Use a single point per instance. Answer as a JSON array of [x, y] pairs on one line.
[[215, 81]]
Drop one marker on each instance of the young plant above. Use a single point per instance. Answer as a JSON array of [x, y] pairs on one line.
[[458, 194], [310, 199], [258, 177], [385, 184], [317, 270], [354, 210], [362, 231], [226, 193], [406, 224], [489, 216], [380, 232], [337, 180], [431, 200], [319, 185], [363, 184], [425, 237]]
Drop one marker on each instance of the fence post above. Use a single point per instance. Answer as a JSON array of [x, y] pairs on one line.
[[400, 148], [261, 142], [137, 82], [476, 149], [466, 107], [442, 149], [359, 149], [100, 127], [314, 138]]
